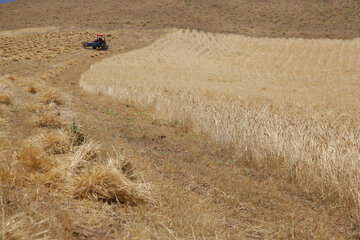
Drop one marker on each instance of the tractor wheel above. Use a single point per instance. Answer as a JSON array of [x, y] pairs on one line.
[[94, 47]]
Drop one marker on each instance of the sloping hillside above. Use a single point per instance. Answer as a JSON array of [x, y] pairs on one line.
[[285, 18]]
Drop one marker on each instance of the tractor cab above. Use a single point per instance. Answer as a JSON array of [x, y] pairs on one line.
[[100, 38]]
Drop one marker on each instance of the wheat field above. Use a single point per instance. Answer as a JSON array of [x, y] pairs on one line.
[[291, 101]]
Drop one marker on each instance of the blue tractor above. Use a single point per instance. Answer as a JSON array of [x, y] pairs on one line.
[[98, 43]]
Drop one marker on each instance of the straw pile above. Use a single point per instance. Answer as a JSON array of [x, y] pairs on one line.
[[53, 160]]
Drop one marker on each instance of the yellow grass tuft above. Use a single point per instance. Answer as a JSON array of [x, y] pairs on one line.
[[48, 119], [106, 183], [52, 97], [32, 157]]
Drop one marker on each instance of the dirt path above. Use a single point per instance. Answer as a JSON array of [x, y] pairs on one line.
[[205, 190]]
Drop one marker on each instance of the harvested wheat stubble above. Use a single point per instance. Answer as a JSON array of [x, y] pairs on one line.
[[275, 99], [38, 108], [48, 119], [22, 227], [52, 97]]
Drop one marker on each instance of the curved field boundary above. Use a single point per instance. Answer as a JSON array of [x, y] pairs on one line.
[[291, 100]]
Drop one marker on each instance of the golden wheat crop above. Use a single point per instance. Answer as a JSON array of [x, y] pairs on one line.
[[291, 100]]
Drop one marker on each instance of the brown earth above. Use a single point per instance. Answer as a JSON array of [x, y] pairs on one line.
[[270, 18], [205, 190]]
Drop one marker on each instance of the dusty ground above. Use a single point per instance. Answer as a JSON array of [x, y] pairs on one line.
[[205, 190], [285, 18]]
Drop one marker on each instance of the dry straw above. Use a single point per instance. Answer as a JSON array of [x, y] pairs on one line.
[[54, 142], [33, 158], [52, 97], [50, 159], [48, 119], [108, 184], [21, 227], [85, 155], [288, 100]]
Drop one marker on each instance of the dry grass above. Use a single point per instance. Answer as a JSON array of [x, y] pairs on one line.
[[5, 99], [60, 172], [102, 180], [278, 101], [181, 215], [52, 97], [85, 155], [22, 227], [11, 78], [32, 89], [32, 157], [42, 175], [48, 120], [82, 173], [37, 108], [106, 183], [54, 143]]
